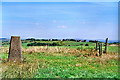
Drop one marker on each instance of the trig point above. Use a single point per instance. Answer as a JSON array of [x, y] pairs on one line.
[[15, 50]]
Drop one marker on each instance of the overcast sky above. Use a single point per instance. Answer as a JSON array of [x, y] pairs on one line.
[[84, 20]]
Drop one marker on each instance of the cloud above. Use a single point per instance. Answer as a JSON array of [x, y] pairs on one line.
[[54, 21], [37, 24], [62, 26], [83, 22]]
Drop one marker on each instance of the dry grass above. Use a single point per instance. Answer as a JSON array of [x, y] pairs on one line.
[[4, 49], [59, 51], [106, 57], [19, 70]]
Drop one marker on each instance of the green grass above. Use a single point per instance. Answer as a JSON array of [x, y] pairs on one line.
[[62, 65], [65, 67], [3, 55], [46, 65], [80, 47], [113, 49], [77, 43]]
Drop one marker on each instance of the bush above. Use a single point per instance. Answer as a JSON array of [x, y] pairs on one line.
[[86, 44], [43, 44]]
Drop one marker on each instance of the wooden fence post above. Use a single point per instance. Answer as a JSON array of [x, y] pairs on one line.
[[96, 46], [106, 44], [15, 50], [100, 49]]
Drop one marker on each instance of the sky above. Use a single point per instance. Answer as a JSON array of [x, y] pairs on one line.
[[79, 20], [59, 0], [0, 18]]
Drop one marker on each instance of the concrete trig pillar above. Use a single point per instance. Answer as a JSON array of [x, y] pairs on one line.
[[15, 50]]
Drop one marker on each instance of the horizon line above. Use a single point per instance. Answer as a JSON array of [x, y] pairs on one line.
[[63, 38]]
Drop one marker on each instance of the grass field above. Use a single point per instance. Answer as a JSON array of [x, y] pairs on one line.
[[61, 62]]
